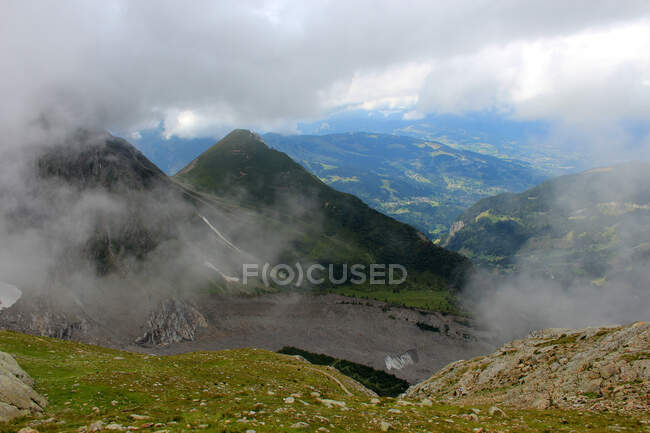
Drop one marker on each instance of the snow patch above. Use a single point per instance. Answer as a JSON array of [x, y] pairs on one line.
[[224, 276], [9, 295], [397, 362]]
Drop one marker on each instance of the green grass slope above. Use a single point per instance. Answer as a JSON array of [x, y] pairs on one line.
[[330, 227], [241, 391], [587, 225]]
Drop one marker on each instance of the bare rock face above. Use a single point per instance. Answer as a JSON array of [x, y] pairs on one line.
[[174, 321], [37, 316], [17, 398], [595, 368]]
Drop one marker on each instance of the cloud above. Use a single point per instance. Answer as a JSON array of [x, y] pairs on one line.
[[204, 67]]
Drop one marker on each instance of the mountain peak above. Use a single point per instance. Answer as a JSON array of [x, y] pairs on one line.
[[243, 168], [241, 162], [98, 159]]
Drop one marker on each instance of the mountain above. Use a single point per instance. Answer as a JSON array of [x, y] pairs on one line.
[[331, 227], [96, 238], [95, 159], [98, 245], [492, 133], [419, 182], [595, 369], [592, 225]]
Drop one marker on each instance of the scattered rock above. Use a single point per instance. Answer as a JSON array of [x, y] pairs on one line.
[[599, 369], [541, 403], [384, 426], [331, 403], [96, 426], [495, 411], [300, 424]]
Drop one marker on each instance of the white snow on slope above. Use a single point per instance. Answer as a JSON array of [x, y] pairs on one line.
[[225, 277], [9, 295], [220, 236]]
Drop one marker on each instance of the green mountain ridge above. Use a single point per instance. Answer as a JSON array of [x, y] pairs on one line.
[[591, 225], [331, 227]]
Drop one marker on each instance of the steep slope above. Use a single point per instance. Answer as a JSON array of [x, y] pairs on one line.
[[422, 183], [336, 228], [97, 166], [96, 236], [92, 159], [592, 225], [594, 368]]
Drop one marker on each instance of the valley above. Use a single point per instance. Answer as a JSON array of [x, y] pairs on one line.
[[422, 183]]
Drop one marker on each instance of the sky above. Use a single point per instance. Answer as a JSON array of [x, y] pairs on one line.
[[205, 67]]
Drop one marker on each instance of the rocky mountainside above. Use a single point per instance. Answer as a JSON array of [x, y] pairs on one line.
[[102, 237], [17, 398], [95, 159], [174, 321], [595, 368]]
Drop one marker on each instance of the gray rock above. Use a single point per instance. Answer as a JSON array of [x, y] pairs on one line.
[[553, 367], [17, 398], [174, 321]]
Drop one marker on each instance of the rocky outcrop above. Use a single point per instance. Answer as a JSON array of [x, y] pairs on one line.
[[37, 315], [96, 159], [595, 368], [17, 398], [174, 321]]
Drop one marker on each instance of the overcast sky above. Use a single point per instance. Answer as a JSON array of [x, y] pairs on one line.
[[204, 66]]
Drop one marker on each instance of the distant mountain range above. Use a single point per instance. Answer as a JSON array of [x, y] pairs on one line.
[[487, 132], [418, 181], [423, 183]]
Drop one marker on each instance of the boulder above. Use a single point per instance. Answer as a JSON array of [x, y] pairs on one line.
[[17, 398]]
